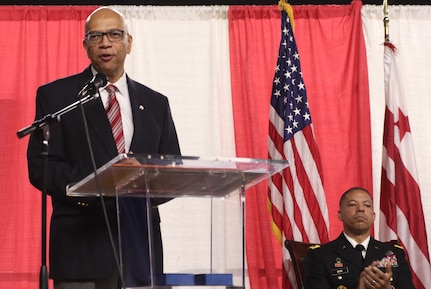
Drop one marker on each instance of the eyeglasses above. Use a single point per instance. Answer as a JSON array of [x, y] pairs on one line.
[[95, 37]]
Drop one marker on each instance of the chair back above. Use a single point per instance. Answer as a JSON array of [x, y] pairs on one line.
[[297, 251]]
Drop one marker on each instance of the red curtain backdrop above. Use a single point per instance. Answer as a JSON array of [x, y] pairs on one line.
[[254, 37], [37, 45], [333, 62]]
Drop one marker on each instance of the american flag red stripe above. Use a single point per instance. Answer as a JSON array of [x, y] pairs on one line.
[[296, 197], [400, 201]]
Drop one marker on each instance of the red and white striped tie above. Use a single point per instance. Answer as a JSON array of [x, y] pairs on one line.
[[114, 116]]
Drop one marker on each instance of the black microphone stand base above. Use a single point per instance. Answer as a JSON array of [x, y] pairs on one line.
[[43, 277]]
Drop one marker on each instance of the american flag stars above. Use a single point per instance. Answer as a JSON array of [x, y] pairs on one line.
[[289, 93]]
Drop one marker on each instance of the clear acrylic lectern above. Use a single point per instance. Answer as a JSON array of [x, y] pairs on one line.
[[156, 177]]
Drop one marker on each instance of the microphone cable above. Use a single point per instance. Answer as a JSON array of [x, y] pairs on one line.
[[102, 199]]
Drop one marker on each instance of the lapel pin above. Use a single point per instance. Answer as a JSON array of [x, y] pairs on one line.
[[141, 107]]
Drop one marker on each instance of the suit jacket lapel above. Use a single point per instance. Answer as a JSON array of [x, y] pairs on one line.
[[374, 252], [100, 127], [137, 101], [98, 123]]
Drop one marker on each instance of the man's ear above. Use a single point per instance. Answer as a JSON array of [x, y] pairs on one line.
[[340, 217], [129, 43], [84, 44]]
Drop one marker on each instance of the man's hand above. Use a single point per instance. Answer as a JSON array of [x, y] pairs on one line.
[[374, 278]]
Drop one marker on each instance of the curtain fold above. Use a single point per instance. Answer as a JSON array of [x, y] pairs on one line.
[[254, 34], [334, 65]]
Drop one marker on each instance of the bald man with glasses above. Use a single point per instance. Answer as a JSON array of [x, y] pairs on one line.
[[84, 250]]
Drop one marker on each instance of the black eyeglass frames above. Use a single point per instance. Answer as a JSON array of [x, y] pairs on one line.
[[95, 37]]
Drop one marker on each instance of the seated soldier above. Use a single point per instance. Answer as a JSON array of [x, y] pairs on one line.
[[355, 260]]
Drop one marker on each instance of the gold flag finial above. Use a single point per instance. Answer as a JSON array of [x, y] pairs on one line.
[[386, 20], [284, 6]]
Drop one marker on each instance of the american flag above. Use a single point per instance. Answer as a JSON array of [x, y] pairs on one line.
[[400, 200], [296, 196]]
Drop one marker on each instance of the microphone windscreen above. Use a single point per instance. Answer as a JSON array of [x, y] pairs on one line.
[[100, 80]]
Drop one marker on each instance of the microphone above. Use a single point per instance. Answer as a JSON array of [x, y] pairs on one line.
[[93, 85], [85, 95]]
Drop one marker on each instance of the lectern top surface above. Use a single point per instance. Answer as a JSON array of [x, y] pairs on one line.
[[175, 176]]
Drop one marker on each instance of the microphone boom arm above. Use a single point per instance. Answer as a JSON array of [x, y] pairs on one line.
[[89, 92], [49, 118]]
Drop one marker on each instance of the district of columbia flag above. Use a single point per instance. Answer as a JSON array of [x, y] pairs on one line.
[[401, 212], [296, 198]]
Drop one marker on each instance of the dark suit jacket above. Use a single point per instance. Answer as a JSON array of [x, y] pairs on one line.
[[80, 246], [337, 263]]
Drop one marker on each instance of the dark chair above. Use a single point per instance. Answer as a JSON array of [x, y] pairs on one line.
[[298, 250]]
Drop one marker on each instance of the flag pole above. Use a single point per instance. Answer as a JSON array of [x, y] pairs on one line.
[[386, 20], [387, 41]]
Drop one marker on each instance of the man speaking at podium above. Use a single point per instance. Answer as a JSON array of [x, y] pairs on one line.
[[81, 251]]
